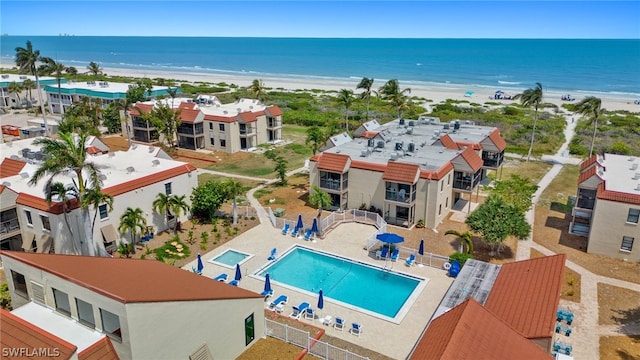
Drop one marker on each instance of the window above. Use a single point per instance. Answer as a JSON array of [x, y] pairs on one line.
[[104, 213], [446, 203], [249, 330], [85, 313], [634, 215], [210, 126], [441, 185], [111, 324], [213, 141], [223, 143], [449, 179], [62, 302], [45, 222], [19, 284], [221, 127], [627, 243], [167, 188], [439, 209], [29, 218]]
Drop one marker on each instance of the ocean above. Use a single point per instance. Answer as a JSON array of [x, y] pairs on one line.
[[607, 67]]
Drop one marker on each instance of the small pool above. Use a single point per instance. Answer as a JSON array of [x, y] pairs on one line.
[[230, 257], [383, 293]]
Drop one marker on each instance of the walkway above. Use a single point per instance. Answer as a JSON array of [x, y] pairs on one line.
[[586, 331]]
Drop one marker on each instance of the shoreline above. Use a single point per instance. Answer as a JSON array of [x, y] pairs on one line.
[[437, 93]]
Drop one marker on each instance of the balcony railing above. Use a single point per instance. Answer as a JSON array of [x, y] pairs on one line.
[[273, 124], [398, 196], [331, 184], [9, 226], [246, 132], [492, 161]]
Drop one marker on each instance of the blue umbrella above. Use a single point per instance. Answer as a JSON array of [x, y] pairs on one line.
[[320, 300], [390, 238], [200, 264], [299, 224], [238, 273], [421, 248], [314, 226], [267, 284]]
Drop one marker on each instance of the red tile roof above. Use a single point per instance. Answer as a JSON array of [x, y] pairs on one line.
[[274, 111], [100, 350], [249, 116], [189, 115], [365, 165], [469, 331], [35, 202], [497, 139], [448, 142], [16, 333], [585, 164], [11, 167], [187, 105], [92, 150], [148, 180], [474, 146], [627, 198], [526, 295], [472, 158], [219, 118], [137, 107], [334, 162], [106, 276], [369, 134], [439, 174], [401, 172], [587, 174]]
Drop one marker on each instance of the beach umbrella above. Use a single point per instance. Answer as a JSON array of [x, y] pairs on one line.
[[238, 276], [200, 265], [390, 238], [267, 284], [320, 300], [299, 224], [314, 226]]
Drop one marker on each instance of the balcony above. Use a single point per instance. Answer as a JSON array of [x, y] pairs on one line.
[[579, 228], [398, 196], [247, 132], [9, 226], [586, 199], [462, 181], [274, 124], [331, 184], [141, 124], [492, 160]]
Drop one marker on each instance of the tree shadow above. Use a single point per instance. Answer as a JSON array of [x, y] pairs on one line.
[[566, 239], [628, 319], [625, 355]]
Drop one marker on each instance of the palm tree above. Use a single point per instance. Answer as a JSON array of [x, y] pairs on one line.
[[52, 67], [94, 69], [72, 71], [591, 106], [162, 205], [29, 85], [345, 97], [178, 205], [69, 156], [26, 59], [528, 98], [258, 89], [391, 92], [234, 189], [321, 200], [132, 220], [15, 88], [95, 197], [172, 91], [465, 239], [366, 84], [62, 192]]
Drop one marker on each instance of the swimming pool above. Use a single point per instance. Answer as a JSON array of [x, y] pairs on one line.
[[371, 289], [230, 257]]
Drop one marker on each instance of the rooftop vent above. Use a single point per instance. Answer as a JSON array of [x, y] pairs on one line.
[[411, 147], [112, 154], [410, 130], [636, 176], [151, 149], [638, 187], [370, 143], [395, 156], [24, 175], [380, 144], [130, 169], [134, 146], [631, 158], [445, 126], [23, 77], [5, 76], [102, 177], [156, 162], [398, 146], [14, 157], [401, 121], [456, 125], [364, 153], [634, 166], [412, 123], [6, 183]]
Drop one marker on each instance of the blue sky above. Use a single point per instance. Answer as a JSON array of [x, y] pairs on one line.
[[369, 19]]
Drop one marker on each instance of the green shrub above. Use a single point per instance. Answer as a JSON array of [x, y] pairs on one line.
[[173, 249], [461, 257]]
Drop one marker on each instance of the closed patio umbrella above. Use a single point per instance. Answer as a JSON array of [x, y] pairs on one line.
[[200, 264], [314, 226], [299, 224], [238, 276], [320, 300], [421, 250], [267, 284]]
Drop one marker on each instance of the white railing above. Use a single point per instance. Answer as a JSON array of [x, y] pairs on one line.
[[243, 211], [304, 340]]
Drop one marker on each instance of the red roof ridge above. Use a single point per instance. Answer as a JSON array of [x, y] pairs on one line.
[[334, 162], [617, 196], [472, 158], [30, 336], [148, 179], [448, 142], [11, 167], [401, 172], [497, 139], [101, 349]]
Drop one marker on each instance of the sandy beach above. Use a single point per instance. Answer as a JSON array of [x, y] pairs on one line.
[[436, 93]]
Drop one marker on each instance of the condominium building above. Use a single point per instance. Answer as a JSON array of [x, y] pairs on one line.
[[607, 208], [134, 178], [409, 170], [10, 99], [206, 123], [108, 92], [147, 309]]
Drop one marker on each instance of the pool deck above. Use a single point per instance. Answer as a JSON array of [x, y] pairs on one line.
[[347, 240]]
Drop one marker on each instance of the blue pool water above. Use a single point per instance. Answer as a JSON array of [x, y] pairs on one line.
[[230, 257], [360, 285]]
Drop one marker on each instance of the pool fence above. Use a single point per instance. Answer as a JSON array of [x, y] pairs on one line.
[[304, 340], [365, 217]]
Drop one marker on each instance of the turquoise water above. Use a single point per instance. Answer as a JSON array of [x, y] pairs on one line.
[[230, 257], [607, 66], [360, 285]]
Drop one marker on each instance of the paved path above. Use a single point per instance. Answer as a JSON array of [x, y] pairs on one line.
[[586, 330]]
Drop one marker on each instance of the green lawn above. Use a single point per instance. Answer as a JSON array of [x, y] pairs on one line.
[[556, 195], [247, 184], [533, 170]]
